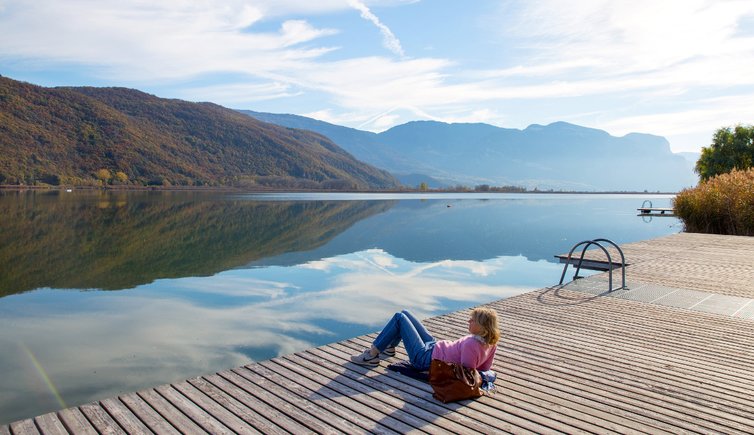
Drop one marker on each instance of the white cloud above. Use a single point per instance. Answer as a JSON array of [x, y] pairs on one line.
[[642, 34], [237, 93], [385, 121], [172, 39], [389, 40], [692, 128], [297, 31]]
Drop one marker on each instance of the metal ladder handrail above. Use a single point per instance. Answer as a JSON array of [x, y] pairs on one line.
[[596, 242], [622, 261]]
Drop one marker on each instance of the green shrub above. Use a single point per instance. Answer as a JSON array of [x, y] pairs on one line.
[[723, 204]]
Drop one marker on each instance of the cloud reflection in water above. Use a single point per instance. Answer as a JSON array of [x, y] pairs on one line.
[[97, 344]]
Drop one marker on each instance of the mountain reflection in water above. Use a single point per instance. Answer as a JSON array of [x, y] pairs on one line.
[[113, 241], [212, 281]]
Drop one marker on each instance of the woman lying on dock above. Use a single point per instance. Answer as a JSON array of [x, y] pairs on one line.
[[475, 351]]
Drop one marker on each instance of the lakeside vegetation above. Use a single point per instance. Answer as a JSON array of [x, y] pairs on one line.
[[723, 201], [724, 204]]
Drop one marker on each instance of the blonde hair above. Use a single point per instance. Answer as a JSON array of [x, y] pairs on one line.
[[487, 319]]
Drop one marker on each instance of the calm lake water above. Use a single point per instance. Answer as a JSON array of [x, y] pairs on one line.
[[104, 293]]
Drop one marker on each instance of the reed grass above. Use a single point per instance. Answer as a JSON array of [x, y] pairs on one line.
[[723, 204]]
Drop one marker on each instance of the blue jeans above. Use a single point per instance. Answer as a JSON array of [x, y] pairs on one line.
[[416, 339]]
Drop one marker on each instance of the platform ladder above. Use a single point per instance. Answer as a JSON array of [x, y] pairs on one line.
[[598, 243]]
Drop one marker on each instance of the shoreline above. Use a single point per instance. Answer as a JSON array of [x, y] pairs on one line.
[[276, 190]]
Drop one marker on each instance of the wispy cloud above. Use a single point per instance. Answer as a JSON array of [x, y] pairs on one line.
[[240, 93], [171, 39], [389, 40]]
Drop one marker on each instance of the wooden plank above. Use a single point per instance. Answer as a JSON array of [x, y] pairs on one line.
[[545, 334], [698, 368], [190, 409], [573, 410], [666, 407], [289, 409], [412, 403], [76, 422], [219, 413], [543, 413], [634, 352], [470, 413], [617, 340], [609, 394], [245, 413], [172, 414], [545, 347], [648, 315], [502, 408], [24, 427], [654, 378], [239, 393], [50, 424], [612, 315], [735, 354], [374, 396], [646, 372], [121, 414], [340, 405], [373, 409], [151, 418], [100, 419], [284, 391]]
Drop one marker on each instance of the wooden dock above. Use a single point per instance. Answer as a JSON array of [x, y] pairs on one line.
[[568, 362], [655, 211]]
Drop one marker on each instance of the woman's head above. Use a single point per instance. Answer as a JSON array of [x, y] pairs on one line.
[[483, 322]]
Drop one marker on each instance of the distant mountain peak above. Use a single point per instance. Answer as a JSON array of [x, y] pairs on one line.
[[559, 155]]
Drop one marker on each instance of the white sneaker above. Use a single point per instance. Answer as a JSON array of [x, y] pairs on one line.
[[366, 359], [388, 353]]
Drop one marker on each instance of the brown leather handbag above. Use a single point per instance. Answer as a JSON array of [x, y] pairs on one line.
[[452, 382]]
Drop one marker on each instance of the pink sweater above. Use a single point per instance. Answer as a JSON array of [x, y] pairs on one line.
[[468, 351]]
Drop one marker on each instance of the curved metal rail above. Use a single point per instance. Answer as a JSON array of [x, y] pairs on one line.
[[587, 244]]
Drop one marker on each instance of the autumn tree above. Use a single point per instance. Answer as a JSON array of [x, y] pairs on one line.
[[103, 175], [121, 177]]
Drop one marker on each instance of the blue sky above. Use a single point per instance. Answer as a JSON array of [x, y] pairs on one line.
[[675, 68]]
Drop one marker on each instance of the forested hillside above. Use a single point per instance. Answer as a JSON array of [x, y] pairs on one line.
[[93, 136]]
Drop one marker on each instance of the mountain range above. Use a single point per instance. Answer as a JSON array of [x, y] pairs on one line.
[[85, 135], [559, 156], [95, 136]]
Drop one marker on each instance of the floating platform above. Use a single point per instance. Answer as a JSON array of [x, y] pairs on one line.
[[655, 211], [572, 359]]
